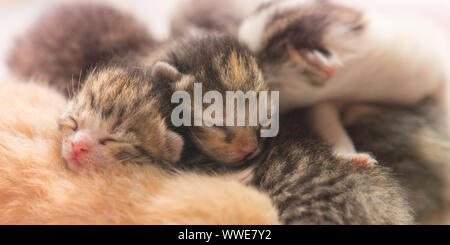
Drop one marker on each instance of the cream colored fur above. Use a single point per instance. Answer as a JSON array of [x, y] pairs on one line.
[[36, 187], [398, 59]]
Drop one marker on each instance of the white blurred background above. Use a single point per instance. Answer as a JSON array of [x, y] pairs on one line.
[[17, 15]]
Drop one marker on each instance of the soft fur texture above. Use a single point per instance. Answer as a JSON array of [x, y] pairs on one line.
[[321, 54], [63, 45], [220, 63], [310, 186], [412, 142], [37, 188]]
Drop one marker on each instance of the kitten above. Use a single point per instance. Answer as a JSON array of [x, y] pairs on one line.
[[309, 186], [37, 188], [413, 142], [219, 63], [116, 117], [322, 54], [69, 41]]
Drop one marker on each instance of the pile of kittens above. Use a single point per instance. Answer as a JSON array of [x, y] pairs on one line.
[[112, 156]]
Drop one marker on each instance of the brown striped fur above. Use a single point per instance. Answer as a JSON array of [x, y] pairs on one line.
[[120, 105], [309, 186], [221, 64]]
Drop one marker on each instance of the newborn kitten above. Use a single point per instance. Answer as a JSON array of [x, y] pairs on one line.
[[219, 63], [309, 186], [411, 141], [322, 54], [66, 43], [36, 188], [116, 117]]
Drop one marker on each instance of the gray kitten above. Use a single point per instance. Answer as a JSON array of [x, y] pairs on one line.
[[309, 186], [410, 140]]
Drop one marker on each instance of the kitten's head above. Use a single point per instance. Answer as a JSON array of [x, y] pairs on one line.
[[301, 38], [219, 63], [115, 117]]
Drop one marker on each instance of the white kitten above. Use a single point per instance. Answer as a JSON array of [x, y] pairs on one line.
[[325, 55]]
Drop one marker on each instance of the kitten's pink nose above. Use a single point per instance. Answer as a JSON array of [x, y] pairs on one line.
[[246, 151], [79, 147], [81, 144]]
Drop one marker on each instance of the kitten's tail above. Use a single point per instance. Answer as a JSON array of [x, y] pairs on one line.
[[69, 41]]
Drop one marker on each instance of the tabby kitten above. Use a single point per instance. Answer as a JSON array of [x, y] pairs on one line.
[[413, 142], [115, 117], [309, 186], [219, 63]]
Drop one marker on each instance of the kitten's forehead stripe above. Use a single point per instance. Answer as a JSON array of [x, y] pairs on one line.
[[107, 111], [92, 100], [132, 130]]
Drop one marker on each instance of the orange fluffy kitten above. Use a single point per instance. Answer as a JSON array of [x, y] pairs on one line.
[[36, 187]]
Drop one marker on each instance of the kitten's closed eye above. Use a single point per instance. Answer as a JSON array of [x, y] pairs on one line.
[[104, 141], [228, 132], [68, 123]]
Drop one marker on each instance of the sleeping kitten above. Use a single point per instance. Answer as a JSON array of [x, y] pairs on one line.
[[322, 54], [116, 117], [219, 63], [309, 186], [69, 41], [37, 188]]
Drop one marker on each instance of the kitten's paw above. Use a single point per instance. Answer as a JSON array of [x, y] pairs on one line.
[[363, 160], [326, 61]]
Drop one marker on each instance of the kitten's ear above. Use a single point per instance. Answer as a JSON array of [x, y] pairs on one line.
[[174, 145], [165, 71]]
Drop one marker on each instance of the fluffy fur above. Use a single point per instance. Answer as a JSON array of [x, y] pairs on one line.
[[37, 188], [309, 186], [413, 142], [63, 45], [116, 117], [221, 64], [323, 54]]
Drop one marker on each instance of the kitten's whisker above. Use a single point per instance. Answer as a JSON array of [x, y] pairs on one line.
[[129, 157], [79, 81]]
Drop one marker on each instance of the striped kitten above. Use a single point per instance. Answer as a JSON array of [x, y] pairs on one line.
[[411, 141], [116, 117], [309, 186], [220, 64]]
